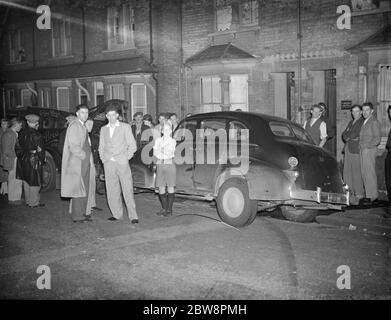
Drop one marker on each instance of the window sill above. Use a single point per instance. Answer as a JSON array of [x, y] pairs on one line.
[[16, 64], [240, 30], [119, 50], [369, 12], [61, 57]]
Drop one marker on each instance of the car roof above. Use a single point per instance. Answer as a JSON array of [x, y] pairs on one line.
[[239, 115], [39, 111]]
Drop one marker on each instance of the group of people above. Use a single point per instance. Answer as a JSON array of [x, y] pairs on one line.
[[118, 141], [22, 156], [362, 137]]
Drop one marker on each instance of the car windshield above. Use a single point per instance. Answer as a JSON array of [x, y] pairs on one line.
[[281, 129]]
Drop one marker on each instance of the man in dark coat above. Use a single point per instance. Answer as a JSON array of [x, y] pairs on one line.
[[30, 163], [138, 128]]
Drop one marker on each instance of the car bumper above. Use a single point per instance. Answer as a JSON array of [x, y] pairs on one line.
[[322, 199]]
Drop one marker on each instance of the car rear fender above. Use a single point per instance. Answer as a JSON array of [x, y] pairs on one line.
[[267, 183]]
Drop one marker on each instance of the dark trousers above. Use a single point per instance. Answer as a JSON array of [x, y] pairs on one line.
[[79, 205], [388, 175]]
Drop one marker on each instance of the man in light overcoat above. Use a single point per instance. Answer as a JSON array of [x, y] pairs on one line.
[[75, 169]]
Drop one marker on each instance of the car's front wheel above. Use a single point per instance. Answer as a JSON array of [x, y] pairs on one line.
[[48, 174], [298, 215], [234, 205]]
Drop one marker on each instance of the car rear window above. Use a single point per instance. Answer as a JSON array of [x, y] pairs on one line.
[[301, 134], [281, 129]]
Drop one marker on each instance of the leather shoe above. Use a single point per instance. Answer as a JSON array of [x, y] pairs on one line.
[[88, 218], [134, 221], [38, 205], [96, 209], [112, 219], [79, 221], [161, 212]]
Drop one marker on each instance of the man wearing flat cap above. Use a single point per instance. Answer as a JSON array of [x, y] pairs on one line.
[[32, 157], [116, 147]]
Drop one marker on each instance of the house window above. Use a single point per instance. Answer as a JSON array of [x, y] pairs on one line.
[[99, 93], [61, 37], [211, 93], [16, 47], [25, 97], [139, 98], [223, 15], [83, 98], [45, 98], [120, 27], [238, 92], [10, 102], [232, 14], [249, 12], [117, 91], [63, 98]]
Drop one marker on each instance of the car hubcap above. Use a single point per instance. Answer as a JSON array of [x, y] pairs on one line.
[[233, 202]]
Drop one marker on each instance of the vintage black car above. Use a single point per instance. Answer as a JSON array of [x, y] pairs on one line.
[[51, 124], [286, 171]]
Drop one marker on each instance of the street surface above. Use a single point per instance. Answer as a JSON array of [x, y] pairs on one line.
[[188, 256]]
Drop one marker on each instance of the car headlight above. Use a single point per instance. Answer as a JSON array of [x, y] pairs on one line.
[[293, 162]]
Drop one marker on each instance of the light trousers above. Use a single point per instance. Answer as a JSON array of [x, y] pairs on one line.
[[352, 173], [119, 177], [368, 169], [31, 194], [14, 185]]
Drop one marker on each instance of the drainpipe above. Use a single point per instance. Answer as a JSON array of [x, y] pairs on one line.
[[84, 33], [181, 60], [151, 58], [299, 37], [34, 58]]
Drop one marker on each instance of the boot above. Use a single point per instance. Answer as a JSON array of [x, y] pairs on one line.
[[164, 203], [171, 197]]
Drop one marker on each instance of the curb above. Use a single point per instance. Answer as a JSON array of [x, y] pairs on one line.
[[364, 222]]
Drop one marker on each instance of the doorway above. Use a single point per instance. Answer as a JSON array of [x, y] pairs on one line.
[[325, 90], [283, 94]]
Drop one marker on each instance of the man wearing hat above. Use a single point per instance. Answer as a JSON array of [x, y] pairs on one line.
[[116, 147], [30, 163]]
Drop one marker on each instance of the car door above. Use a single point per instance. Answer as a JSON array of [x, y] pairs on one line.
[[184, 154], [211, 149]]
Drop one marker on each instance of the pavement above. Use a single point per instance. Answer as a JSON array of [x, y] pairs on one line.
[[191, 255], [371, 220]]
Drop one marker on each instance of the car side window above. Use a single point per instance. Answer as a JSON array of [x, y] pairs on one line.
[[188, 127], [237, 131], [301, 134], [281, 129], [48, 123]]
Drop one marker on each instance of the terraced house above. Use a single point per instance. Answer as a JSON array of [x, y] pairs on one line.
[[274, 57]]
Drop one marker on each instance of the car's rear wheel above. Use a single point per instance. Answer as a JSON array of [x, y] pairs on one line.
[[298, 215], [234, 205], [48, 174]]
